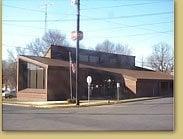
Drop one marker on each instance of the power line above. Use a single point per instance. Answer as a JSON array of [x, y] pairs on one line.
[[119, 36], [148, 38], [54, 20], [116, 6], [133, 35], [105, 29], [147, 29], [131, 26], [33, 27], [23, 26], [32, 10], [91, 19], [149, 33], [14, 20], [131, 16], [21, 8]]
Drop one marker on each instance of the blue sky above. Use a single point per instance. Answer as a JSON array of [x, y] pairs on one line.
[[137, 23]]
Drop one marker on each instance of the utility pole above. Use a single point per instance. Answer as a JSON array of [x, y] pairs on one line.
[[46, 14], [77, 53], [77, 35], [45, 6]]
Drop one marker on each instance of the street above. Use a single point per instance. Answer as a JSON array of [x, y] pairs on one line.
[[156, 114]]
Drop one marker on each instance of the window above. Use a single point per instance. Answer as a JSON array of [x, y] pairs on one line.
[[171, 85], [164, 86], [36, 76], [113, 61], [94, 59], [83, 58]]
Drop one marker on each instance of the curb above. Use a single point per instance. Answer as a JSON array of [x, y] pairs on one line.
[[141, 99], [107, 102]]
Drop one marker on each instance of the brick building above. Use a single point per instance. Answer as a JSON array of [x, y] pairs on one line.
[[47, 78]]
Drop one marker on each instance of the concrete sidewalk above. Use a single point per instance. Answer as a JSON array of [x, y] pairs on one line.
[[65, 104]]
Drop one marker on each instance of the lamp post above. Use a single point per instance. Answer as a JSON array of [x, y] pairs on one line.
[[89, 80], [109, 81], [109, 86], [118, 86]]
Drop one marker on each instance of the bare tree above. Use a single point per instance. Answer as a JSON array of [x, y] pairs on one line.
[[122, 49], [12, 55], [105, 46], [111, 47], [9, 67], [54, 37], [36, 48], [20, 50], [9, 70], [9, 73], [39, 46], [161, 58]]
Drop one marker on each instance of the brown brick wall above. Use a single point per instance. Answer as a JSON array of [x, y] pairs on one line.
[[32, 95], [153, 88], [59, 89], [147, 88], [58, 83], [130, 84]]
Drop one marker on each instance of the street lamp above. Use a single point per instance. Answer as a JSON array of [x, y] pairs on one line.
[[109, 81], [109, 85]]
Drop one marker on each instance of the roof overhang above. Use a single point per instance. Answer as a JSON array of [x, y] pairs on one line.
[[29, 60]]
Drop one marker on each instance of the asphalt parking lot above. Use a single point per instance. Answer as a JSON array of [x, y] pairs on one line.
[[155, 114]]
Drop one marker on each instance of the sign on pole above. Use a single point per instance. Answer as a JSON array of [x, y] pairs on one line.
[[74, 2], [89, 80], [75, 35], [118, 86]]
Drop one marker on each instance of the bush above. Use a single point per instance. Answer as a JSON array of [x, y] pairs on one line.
[[72, 101]]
